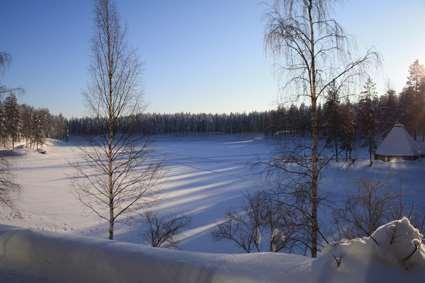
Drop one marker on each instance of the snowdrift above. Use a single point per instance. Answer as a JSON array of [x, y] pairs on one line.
[[47, 257], [394, 253]]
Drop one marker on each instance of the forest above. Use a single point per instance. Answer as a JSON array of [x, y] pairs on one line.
[[21, 122], [343, 118]]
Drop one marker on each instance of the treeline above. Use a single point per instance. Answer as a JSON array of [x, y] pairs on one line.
[[180, 123], [20, 122], [367, 117]]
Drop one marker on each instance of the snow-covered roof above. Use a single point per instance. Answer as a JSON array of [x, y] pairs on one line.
[[398, 142]]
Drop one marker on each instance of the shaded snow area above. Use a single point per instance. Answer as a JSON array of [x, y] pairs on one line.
[[394, 253], [31, 257], [203, 178]]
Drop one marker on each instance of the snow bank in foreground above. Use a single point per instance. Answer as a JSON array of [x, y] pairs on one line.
[[47, 257], [394, 253]]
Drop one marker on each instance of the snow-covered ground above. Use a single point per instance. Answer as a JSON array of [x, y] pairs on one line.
[[392, 254], [204, 177]]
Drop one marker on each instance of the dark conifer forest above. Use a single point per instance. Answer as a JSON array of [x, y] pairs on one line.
[[368, 115]]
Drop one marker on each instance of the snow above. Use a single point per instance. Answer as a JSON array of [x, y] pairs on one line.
[[26, 256], [204, 177], [398, 142], [394, 253]]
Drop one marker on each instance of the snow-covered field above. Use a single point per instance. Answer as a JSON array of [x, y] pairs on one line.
[[203, 178]]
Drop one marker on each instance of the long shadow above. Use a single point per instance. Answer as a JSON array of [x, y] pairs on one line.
[[206, 206], [12, 153]]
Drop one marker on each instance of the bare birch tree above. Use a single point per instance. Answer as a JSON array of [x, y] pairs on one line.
[[117, 171], [315, 54]]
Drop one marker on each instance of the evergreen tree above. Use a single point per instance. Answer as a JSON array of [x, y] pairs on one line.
[[367, 113], [27, 124], [388, 112], [39, 127], [412, 98], [348, 129], [416, 77], [11, 112], [3, 133], [332, 119]]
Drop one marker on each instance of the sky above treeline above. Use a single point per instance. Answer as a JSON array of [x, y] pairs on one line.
[[198, 55]]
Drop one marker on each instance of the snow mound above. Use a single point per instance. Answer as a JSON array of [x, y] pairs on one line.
[[400, 244], [393, 253], [32, 257]]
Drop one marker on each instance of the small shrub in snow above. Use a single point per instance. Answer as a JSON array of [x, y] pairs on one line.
[[162, 231], [369, 208], [262, 225]]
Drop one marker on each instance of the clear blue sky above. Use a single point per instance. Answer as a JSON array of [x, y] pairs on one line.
[[199, 55]]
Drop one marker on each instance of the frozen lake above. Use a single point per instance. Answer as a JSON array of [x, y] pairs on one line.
[[204, 177]]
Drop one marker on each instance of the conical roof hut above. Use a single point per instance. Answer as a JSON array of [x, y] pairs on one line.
[[398, 144]]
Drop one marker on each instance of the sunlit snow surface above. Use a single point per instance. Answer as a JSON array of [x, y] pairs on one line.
[[203, 178]]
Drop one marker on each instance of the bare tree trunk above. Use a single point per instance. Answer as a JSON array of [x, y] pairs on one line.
[[336, 151], [111, 129], [110, 188], [314, 180], [315, 138], [370, 155]]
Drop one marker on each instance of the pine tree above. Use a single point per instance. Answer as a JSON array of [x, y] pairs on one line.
[[348, 129], [11, 111], [3, 133], [27, 124], [39, 128], [367, 113], [332, 119], [416, 77], [413, 98], [389, 113]]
